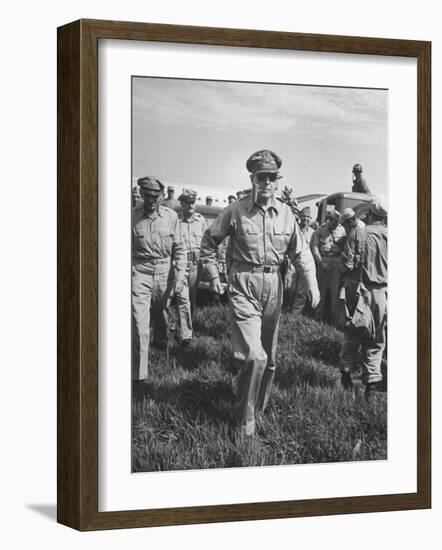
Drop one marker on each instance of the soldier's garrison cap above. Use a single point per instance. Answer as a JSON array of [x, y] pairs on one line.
[[263, 161], [357, 168], [347, 214], [209, 197], [188, 195], [333, 215], [170, 188], [150, 185], [378, 207], [306, 211]]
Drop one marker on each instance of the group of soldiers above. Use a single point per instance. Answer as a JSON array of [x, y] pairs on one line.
[[262, 232]]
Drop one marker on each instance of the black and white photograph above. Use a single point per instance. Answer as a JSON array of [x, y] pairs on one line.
[[259, 274]]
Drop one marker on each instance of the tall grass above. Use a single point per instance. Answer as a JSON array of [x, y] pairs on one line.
[[183, 417]]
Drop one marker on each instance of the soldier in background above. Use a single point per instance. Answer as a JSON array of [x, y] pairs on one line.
[[366, 277], [231, 198], [156, 242], [262, 230], [193, 226], [298, 291], [359, 183], [209, 200], [326, 244], [240, 195], [136, 196], [170, 202]]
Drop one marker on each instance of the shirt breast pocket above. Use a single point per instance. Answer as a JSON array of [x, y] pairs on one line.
[[138, 237], [281, 238], [165, 240]]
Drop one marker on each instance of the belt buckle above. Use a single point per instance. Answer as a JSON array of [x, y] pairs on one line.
[[267, 269]]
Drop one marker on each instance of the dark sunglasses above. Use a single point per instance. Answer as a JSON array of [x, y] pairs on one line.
[[263, 176]]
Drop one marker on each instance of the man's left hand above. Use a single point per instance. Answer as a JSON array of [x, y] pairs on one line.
[[314, 296], [179, 285]]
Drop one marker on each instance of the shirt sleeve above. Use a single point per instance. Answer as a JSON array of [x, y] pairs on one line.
[[314, 246], [179, 251], [212, 238]]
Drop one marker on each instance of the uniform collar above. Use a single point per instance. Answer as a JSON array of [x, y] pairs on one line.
[[154, 215], [191, 219], [252, 204]]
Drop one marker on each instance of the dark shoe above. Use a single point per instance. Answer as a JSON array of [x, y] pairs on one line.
[[346, 381], [159, 344]]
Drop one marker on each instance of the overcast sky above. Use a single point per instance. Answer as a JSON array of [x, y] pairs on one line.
[[194, 132]]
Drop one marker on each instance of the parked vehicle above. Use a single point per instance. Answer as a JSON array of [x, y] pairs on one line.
[[339, 201]]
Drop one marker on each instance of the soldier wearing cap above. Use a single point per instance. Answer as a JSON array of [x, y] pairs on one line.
[[156, 242], [193, 226], [209, 200], [326, 244], [262, 230], [352, 226], [359, 183], [298, 291], [231, 198], [366, 280], [240, 195], [170, 202]]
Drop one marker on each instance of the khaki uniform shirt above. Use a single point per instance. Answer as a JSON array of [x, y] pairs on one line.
[[307, 233], [157, 236], [170, 203], [193, 229], [327, 242], [257, 237]]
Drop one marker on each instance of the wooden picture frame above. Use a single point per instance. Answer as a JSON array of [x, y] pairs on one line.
[[78, 274]]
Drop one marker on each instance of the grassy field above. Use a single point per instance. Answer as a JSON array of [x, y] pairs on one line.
[[182, 418]]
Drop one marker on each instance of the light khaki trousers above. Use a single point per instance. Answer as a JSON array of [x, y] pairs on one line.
[[255, 301], [151, 288], [186, 301]]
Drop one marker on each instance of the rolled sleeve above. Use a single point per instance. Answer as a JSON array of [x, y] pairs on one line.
[[179, 251], [212, 238]]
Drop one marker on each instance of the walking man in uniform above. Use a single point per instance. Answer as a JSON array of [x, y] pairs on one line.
[[262, 230], [359, 183], [193, 226], [298, 291], [366, 280], [327, 244], [156, 242]]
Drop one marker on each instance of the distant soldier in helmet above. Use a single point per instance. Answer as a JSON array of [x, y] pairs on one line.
[[209, 200], [156, 243], [359, 183]]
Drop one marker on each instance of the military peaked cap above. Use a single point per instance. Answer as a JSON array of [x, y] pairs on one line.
[[150, 185], [188, 195], [263, 161]]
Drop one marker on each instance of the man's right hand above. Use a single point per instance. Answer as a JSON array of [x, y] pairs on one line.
[[216, 286]]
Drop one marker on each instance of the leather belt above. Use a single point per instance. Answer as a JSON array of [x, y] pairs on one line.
[[252, 268]]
